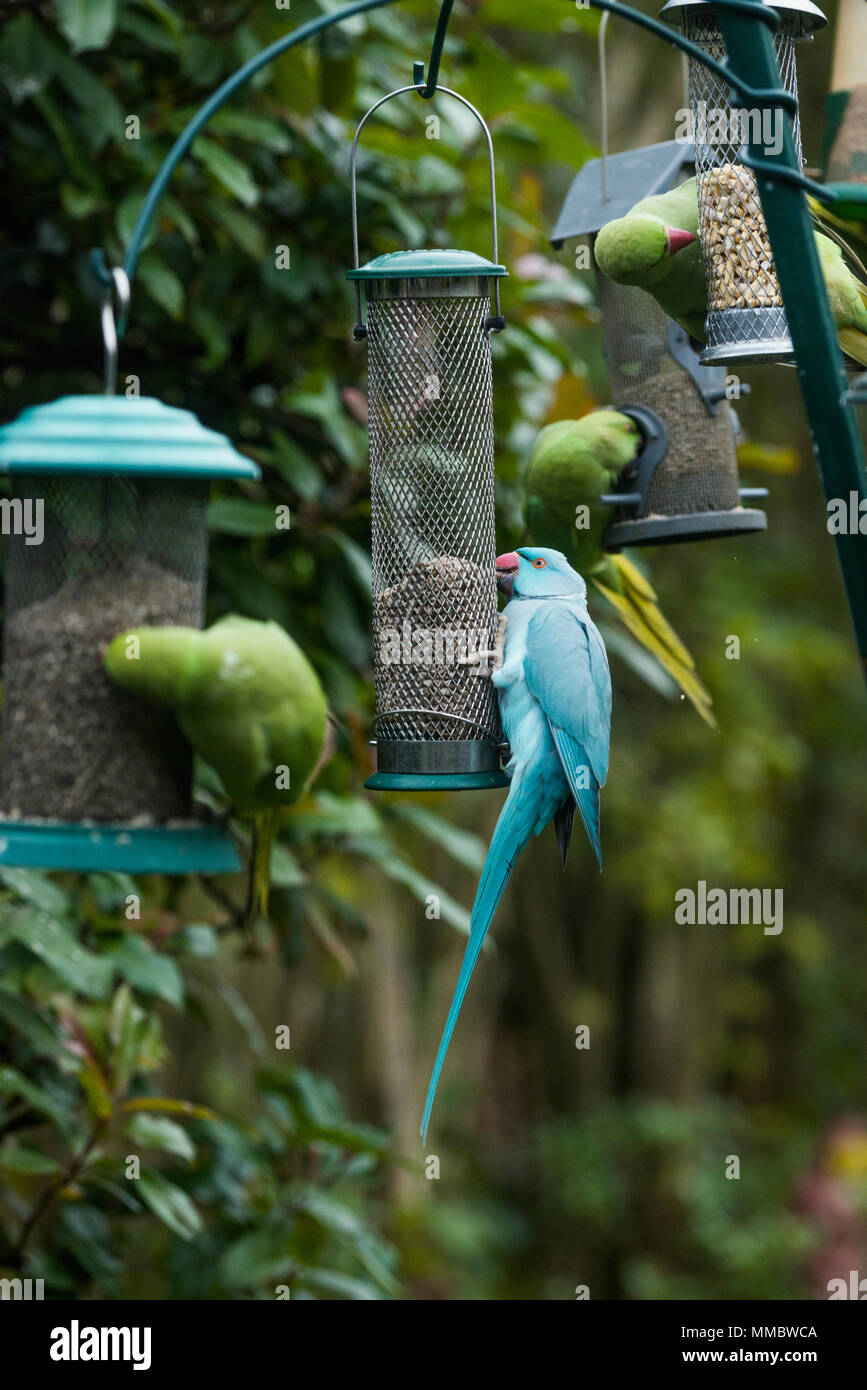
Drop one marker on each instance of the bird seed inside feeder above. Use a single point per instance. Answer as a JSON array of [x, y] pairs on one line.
[[740, 265], [425, 626]]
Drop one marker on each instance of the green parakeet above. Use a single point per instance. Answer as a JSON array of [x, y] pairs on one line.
[[656, 247], [572, 464], [249, 702]]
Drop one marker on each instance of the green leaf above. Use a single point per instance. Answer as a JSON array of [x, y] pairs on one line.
[[357, 560], [382, 852], [322, 402], [136, 1038], [227, 170], [26, 58], [170, 1203], [162, 284], [12, 1083], [336, 1217], [464, 846], [33, 886], [197, 939], [337, 815], [147, 970], [332, 1281], [163, 12], [286, 872], [157, 1132], [236, 517], [164, 1105], [297, 467], [242, 229], [257, 1256], [86, 23], [32, 1163], [267, 134], [40, 1032], [56, 946]]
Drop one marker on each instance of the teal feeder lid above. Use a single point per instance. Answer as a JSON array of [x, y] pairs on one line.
[[426, 265], [112, 494], [117, 435]]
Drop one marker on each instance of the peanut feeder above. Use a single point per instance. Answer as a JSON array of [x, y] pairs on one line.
[[746, 320], [427, 331]]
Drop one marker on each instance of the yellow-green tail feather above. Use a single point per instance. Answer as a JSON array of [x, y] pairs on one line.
[[639, 611], [259, 866]]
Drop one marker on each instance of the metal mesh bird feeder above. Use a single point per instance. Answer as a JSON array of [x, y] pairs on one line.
[[428, 331], [107, 532], [684, 485], [746, 320]]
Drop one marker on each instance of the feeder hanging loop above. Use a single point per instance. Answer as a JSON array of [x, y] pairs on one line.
[[495, 322]]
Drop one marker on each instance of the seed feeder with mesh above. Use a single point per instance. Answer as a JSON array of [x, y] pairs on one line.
[[93, 778], [684, 485], [427, 331], [746, 320]]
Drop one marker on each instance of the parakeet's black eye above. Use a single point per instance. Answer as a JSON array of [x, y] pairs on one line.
[[539, 563]]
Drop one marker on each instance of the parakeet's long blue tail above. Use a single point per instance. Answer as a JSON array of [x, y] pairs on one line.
[[511, 833]]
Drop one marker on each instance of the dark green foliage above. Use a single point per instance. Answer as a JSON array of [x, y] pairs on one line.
[[153, 1034]]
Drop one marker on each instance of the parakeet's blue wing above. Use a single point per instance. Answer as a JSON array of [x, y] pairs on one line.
[[566, 669]]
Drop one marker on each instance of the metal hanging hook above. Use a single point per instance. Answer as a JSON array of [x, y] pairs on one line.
[[118, 288], [603, 101], [359, 326], [427, 85]]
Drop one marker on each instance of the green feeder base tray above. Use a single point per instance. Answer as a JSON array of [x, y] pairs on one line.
[[436, 781], [128, 849]]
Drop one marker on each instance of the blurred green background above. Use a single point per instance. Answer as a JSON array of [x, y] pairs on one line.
[[267, 1170]]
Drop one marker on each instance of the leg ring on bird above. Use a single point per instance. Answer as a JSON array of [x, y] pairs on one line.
[[428, 326], [746, 320]]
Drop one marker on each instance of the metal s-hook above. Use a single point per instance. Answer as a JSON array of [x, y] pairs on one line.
[[360, 331], [116, 288]]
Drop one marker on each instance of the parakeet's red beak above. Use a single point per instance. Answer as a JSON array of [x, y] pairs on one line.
[[507, 568], [677, 239]]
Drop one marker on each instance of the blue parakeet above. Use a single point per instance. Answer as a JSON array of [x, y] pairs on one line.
[[249, 702], [555, 702]]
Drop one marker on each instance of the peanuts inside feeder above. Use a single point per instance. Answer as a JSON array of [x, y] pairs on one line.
[[430, 412], [746, 320], [115, 491]]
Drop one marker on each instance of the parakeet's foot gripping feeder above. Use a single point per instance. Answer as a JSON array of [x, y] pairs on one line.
[[111, 496], [684, 485], [428, 329], [746, 321]]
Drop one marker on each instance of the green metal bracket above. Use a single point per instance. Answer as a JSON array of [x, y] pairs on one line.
[[746, 28], [428, 85], [850, 200]]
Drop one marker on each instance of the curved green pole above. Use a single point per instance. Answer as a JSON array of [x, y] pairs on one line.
[[213, 104], [314, 26]]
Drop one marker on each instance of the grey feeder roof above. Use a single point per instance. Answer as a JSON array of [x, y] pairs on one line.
[[631, 176]]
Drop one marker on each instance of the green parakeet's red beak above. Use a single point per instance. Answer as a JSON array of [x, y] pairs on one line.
[[507, 568], [677, 239]]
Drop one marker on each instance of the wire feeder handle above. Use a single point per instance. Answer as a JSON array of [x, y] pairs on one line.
[[400, 91]]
